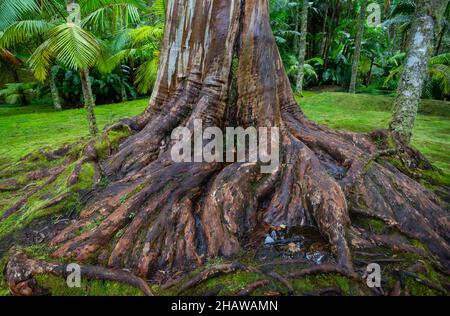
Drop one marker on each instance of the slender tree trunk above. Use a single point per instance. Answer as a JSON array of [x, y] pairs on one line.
[[220, 64], [297, 26], [302, 47], [123, 90], [324, 29], [74, 11], [89, 101], [358, 46], [411, 83], [441, 37], [330, 33], [54, 91]]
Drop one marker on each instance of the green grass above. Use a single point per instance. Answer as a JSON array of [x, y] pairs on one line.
[[365, 113], [25, 129]]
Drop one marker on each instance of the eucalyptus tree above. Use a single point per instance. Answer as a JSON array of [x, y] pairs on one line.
[[157, 214]]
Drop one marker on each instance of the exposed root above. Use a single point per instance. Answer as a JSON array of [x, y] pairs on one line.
[[283, 263], [213, 272], [21, 270], [251, 287], [282, 280], [418, 279], [325, 291], [155, 214], [22, 201], [324, 269]]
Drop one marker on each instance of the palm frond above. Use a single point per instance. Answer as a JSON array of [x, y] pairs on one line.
[[21, 31], [393, 74], [146, 74], [12, 10], [441, 73], [440, 59], [70, 45], [114, 16], [148, 33]]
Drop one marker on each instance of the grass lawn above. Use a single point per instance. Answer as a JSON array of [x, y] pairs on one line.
[[24, 129]]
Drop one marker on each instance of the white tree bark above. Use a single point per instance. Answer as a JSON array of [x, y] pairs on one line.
[[415, 69]]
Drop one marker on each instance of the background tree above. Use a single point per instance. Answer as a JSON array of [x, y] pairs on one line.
[[358, 46], [302, 47], [427, 16]]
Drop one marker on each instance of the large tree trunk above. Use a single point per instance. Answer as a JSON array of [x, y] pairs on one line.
[[358, 46], [219, 63], [415, 71], [302, 44]]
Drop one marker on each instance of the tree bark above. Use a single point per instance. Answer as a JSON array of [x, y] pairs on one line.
[[123, 90], [411, 83], [358, 46], [220, 63], [297, 26], [54, 91], [324, 29], [88, 96], [302, 46], [89, 102]]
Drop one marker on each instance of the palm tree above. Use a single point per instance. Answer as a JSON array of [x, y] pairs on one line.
[[64, 38], [137, 47]]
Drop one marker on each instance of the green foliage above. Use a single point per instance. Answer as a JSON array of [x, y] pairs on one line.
[[12, 10], [70, 45], [106, 87], [365, 113], [12, 92]]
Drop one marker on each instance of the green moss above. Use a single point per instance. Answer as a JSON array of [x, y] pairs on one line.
[[102, 148], [116, 137], [86, 177], [59, 287], [371, 224], [417, 289], [35, 208]]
